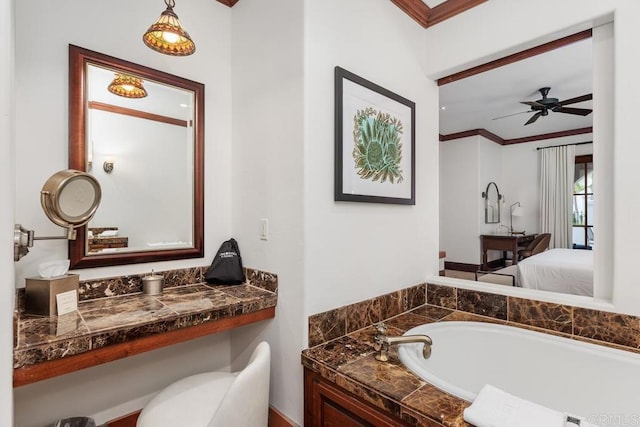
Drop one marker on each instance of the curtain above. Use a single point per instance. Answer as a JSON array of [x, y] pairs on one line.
[[557, 166]]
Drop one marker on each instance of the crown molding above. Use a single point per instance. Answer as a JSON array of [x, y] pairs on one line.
[[429, 16], [416, 9], [419, 11], [473, 132], [519, 56], [229, 3], [498, 140]]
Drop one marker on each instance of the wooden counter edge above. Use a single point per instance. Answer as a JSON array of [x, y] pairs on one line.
[[53, 368]]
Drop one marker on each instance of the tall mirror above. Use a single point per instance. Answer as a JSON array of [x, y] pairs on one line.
[[140, 132], [499, 124], [492, 198]]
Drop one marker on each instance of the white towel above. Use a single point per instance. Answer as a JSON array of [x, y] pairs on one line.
[[496, 408]]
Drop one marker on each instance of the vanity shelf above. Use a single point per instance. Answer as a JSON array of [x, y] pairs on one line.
[[108, 329]]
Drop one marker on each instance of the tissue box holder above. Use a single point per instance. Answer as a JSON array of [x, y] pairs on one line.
[[40, 293]]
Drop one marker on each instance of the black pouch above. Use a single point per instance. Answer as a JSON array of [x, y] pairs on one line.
[[226, 268]]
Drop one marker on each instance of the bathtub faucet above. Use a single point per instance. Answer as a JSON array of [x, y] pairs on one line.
[[382, 342]]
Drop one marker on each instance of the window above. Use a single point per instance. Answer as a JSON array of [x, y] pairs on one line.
[[583, 203]]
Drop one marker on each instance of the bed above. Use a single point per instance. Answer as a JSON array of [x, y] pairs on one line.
[[569, 271]]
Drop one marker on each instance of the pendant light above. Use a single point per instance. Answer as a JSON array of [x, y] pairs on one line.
[[167, 35], [127, 86]]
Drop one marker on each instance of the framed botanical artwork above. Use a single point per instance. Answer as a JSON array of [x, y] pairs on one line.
[[374, 142]]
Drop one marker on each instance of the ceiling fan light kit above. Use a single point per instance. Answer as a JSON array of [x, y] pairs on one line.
[[546, 104]]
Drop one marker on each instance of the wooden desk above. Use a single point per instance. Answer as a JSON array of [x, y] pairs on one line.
[[505, 243]]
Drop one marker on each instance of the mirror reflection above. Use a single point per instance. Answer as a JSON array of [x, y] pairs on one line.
[[140, 152], [498, 126], [140, 133], [492, 199]]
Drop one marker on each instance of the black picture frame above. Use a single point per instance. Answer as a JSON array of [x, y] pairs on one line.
[[357, 178]]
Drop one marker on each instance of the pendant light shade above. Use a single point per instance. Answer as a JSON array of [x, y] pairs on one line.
[[127, 86], [167, 36]]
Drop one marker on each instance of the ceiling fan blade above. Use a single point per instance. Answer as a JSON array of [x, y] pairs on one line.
[[532, 103], [533, 118], [576, 111], [587, 97], [509, 115]]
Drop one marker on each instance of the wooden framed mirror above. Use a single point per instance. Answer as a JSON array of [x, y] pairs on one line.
[[146, 148]]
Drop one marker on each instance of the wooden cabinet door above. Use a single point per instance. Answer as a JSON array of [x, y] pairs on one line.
[[333, 415], [327, 405]]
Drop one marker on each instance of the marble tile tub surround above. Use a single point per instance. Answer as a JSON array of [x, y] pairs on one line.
[[121, 285], [335, 323], [604, 328], [348, 360], [100, 322]]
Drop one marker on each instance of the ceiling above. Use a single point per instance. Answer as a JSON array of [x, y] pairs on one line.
[[433, 3], [473, 102], [469, 105]]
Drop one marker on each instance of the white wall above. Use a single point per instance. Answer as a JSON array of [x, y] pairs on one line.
[[460, 202], [350, 251], [98, 389], [7, 170], [41, 150], [41, 88], [604, 83], [355, 251], [485, 33], [267, 172], [467, 165], [146, 196], [283, 168], [517, 168], [489, 170], [521, 177]]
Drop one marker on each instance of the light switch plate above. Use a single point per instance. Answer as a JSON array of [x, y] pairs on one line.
[[264, 229]]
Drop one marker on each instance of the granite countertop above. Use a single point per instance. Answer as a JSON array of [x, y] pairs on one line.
[[349, 362], [101, 322]]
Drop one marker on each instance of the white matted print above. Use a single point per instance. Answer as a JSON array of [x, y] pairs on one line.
[[375, 142]]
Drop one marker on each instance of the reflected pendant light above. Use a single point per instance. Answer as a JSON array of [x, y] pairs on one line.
[[167, 36], [127, 86]]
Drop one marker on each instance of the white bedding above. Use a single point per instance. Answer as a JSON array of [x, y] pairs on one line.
[[569, 271]]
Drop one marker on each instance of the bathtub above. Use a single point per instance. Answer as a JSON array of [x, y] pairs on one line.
[[599, 383]]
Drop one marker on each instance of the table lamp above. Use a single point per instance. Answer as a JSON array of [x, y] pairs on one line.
[[514, 210]]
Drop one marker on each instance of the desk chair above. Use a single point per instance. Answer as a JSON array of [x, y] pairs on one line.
[[537, 245], [215, 399]]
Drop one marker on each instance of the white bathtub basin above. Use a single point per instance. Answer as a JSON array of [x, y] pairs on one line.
[[593, 381]]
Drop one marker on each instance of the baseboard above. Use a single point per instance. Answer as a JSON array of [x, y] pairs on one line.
[[496, 263], [276, 419], [461, 266], [113, 417], [124, 421]]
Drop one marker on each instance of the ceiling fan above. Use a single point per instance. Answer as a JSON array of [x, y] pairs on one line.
[[544, 105]]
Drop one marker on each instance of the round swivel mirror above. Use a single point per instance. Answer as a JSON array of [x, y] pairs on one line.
[[70, 198]]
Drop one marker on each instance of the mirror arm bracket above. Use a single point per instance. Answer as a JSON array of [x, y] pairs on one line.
[[23, 239]]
